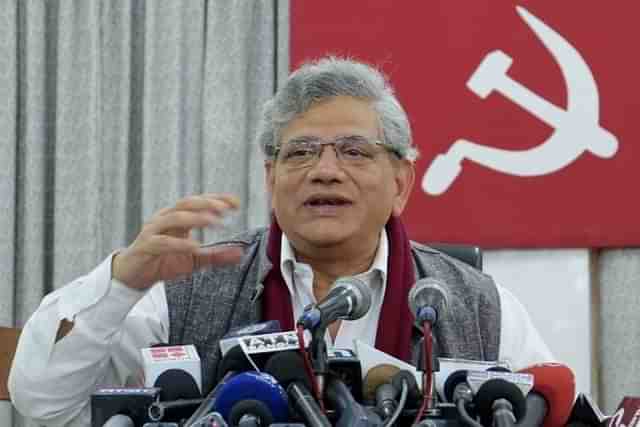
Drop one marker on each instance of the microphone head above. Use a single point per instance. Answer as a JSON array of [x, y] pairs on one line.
[[495, 389], [556, 383], [234, 361], [359, 292], [378, 375], [428, 292], [252, 386], [414, 398], [288, 367], [452, 381], [177, 384]]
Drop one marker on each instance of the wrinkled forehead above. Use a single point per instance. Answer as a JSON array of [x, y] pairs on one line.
[[339, 116]]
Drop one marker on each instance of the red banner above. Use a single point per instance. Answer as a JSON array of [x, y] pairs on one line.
[[527, 114]]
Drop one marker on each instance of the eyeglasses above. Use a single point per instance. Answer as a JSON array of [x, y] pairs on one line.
[[352, 150]]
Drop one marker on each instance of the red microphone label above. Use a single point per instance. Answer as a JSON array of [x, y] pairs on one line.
[[628, 413]]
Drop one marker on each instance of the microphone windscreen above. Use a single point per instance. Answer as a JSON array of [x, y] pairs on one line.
[[556, 383], [495, 389], [177, 384], [175, 369], [252, 386], [452, 381], [234, 361], [377, 376], [428, 292], [288, 367]]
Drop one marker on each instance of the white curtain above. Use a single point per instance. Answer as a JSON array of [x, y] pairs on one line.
[[110, 110]]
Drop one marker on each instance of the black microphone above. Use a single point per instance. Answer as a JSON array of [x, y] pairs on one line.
[[131, 402], [585, 413], [177, 384], [175, 369], [350, 412], [344, 364], [173, 410], [234, 362], [349, 299], [500, 403], [428, 300], [456, 387], [288, 368]]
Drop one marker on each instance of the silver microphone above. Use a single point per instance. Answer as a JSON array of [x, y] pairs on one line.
[[348, 299], [428, 300]]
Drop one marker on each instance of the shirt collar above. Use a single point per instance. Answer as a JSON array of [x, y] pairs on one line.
[[379, 264]]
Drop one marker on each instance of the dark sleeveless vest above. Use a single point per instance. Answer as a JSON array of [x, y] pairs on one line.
[[205, 305]]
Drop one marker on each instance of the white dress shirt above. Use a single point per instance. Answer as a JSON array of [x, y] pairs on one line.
[[51, 382]]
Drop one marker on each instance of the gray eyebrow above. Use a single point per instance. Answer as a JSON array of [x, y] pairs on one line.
[[303, 139], [308, 139]]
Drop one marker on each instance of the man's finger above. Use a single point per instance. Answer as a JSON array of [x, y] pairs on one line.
[[218, 255], [161, 244], [181, 220]]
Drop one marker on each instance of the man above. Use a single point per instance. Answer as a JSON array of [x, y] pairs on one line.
[[339, 169]]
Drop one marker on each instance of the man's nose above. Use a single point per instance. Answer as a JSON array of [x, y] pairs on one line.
[[327, 165]]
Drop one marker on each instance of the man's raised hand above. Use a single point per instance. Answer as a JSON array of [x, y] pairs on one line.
[[165, 250]]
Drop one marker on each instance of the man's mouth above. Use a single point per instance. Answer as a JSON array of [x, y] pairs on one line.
[[321, 201]]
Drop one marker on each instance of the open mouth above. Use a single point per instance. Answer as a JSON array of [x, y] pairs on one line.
[[326, 201]]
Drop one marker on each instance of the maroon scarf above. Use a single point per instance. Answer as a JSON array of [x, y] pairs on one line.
[[390, 338]]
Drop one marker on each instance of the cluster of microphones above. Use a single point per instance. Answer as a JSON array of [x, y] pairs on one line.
[[266, 377]]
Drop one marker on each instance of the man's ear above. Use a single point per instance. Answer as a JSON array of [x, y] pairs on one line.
[[405, 175]]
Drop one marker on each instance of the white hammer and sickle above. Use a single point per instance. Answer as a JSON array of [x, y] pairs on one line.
[[576, 129]]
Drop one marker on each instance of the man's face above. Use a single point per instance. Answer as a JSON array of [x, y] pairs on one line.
[[332, 202]]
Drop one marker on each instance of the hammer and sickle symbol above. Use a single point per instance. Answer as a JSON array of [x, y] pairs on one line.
[[576, 129]]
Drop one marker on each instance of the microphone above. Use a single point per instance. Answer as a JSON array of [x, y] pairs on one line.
[[428, 300], [234, 362], [119, 420], [586, 413], [456, 387], [349, 299], [345, 364], [131, 402], [378, 389], [288, 368], [413, 391], [351, 413], [174, 369], [249, 413], [500, 403], [252, 386], [552, 395], [172, 409]]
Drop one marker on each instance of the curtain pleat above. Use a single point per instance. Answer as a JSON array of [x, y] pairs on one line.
[[111, 110]]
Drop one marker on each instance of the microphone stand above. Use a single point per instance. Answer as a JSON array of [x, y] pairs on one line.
[[319, 357]]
